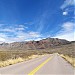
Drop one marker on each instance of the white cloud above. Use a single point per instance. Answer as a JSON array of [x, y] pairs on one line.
[[65, 6], [21, 28], [2, 37], [13, 29], [68, 26], [36, 39], [20, 36], [34, 34], [67, 3], [17, 33], [21, 25], [68, 36], [7, 30], [65, 13], [67, 32]]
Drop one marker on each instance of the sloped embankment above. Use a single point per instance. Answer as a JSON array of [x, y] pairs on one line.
[[71, 60]]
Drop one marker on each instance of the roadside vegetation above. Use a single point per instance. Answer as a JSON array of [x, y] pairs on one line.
[[9, 57], [13, 57], [71, 60]]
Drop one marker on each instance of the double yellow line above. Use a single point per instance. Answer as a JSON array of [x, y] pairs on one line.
[[41, 65]]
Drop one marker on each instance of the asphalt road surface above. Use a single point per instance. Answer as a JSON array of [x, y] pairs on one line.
[[45, 65]]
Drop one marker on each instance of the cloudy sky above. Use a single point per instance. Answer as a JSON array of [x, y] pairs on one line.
[[24, 20]]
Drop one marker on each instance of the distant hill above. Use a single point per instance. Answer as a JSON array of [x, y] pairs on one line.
[[34, 45]]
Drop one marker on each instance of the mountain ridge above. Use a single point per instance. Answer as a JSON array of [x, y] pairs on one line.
[[33, 45]]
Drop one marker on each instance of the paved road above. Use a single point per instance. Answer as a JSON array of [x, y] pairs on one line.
[[45, 65]]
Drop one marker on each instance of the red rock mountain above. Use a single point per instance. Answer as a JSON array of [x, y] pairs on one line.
[[31, 45]]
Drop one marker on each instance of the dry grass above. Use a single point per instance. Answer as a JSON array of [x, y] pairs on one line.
[[9, 57], [6, 55], [71, 60], [17, 60], [10, 62], [13, 57]]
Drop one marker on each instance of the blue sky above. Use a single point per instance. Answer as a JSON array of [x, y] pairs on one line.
[[24, 20]]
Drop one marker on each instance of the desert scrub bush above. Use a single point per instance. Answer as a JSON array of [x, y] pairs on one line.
[[6, 55], [17, 60], [10, 58], [13, 57], [71, 60], [10, 62]]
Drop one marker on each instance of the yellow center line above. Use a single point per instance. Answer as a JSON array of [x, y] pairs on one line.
[[41, 65]]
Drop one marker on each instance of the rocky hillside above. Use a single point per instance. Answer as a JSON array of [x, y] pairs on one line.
[[31, 45]]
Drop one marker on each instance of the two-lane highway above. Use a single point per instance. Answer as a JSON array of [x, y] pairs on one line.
[[45, 65]]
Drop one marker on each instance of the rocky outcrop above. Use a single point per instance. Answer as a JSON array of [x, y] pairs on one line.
[[32, 45]]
